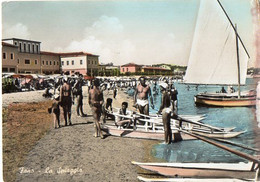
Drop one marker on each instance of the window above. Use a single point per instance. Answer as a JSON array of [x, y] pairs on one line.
[[62, 63], [20, 46], [72, 62], [126, 69], [47, 63], [92, 62], [29, 47], [27, 61], [53, 62], [15, 43], [123, 69], [12, 55], [68, 62], [88, 61], [18, 61], [95, 62], [81, 61], [12, 69], [4, 55], [37, 48], [24, 47], [4, 69], [35, 61], [33, 48], [42, 62], [50, 63]]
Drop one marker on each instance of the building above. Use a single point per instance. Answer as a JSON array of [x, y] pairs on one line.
[[109, 70], [50, 63], [155, 70], [82, 62], [25, 56], [9, 57], [130, 68]]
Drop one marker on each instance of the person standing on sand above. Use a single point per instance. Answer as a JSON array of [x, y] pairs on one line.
[[141, 97], [66, 98], [55, 109], [96, 100], [78, 92]]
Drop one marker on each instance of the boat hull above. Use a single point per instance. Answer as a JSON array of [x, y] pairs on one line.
[[150, 135], [197, 172], [225, 102], [159, 135]]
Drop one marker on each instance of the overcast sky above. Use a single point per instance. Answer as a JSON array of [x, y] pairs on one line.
[[143, 32]]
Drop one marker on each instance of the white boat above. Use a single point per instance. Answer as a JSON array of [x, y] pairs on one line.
[[202, 170]]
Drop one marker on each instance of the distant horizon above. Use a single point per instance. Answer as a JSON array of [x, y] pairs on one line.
[[151, 32]]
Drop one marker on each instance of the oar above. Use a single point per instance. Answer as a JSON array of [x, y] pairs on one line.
[[236, 144], [201, 124], [241, 154]]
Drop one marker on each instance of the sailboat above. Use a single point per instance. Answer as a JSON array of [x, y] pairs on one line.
[[218, 57]]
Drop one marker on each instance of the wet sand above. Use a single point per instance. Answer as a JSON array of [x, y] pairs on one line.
[[72, 153]]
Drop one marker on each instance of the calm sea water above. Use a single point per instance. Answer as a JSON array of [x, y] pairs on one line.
[[243, 118]]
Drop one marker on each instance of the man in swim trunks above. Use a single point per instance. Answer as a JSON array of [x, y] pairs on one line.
[[96, 101], [141, 97]]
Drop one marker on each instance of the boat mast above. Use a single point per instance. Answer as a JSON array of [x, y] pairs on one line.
[[238, 64]]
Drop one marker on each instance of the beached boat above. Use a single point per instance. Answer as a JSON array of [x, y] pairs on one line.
[[202, 170], [160, 179], [240, 170], [220, 56], [153, 129]]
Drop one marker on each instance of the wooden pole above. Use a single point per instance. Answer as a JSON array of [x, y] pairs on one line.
[[241, 154], [238, 63]]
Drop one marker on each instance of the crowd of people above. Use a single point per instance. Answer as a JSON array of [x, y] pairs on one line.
[[68, 90]]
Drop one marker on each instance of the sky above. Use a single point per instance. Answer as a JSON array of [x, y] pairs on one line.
[[143, 32]]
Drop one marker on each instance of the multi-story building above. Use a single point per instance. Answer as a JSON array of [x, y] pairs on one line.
[[9, 57], [50, 63], [25, 56], [82, 62]]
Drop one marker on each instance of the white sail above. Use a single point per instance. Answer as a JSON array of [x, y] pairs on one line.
[[213, 57]]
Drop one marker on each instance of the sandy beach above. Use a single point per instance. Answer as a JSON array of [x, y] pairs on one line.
[[73, 154]]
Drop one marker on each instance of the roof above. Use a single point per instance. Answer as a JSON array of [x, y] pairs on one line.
[[74, 54], [154, 68], [49, 53], [9, 45], [21, 40], [131, 65]]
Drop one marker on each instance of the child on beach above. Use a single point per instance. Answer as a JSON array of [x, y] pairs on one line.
[[55, 109]]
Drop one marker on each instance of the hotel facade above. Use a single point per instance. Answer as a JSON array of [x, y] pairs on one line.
[[25, 56]]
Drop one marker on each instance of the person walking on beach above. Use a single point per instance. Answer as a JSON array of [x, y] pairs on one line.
[[78, 93], [114, 92], [141, 95], [66, 97], [96, 100]]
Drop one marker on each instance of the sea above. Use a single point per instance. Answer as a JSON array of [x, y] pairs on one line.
[[243, 118]]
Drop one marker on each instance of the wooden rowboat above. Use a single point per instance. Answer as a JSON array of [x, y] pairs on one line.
[[153, 128], [202, 170]]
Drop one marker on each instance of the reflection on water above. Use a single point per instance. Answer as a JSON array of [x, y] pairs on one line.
[[243, 118]]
